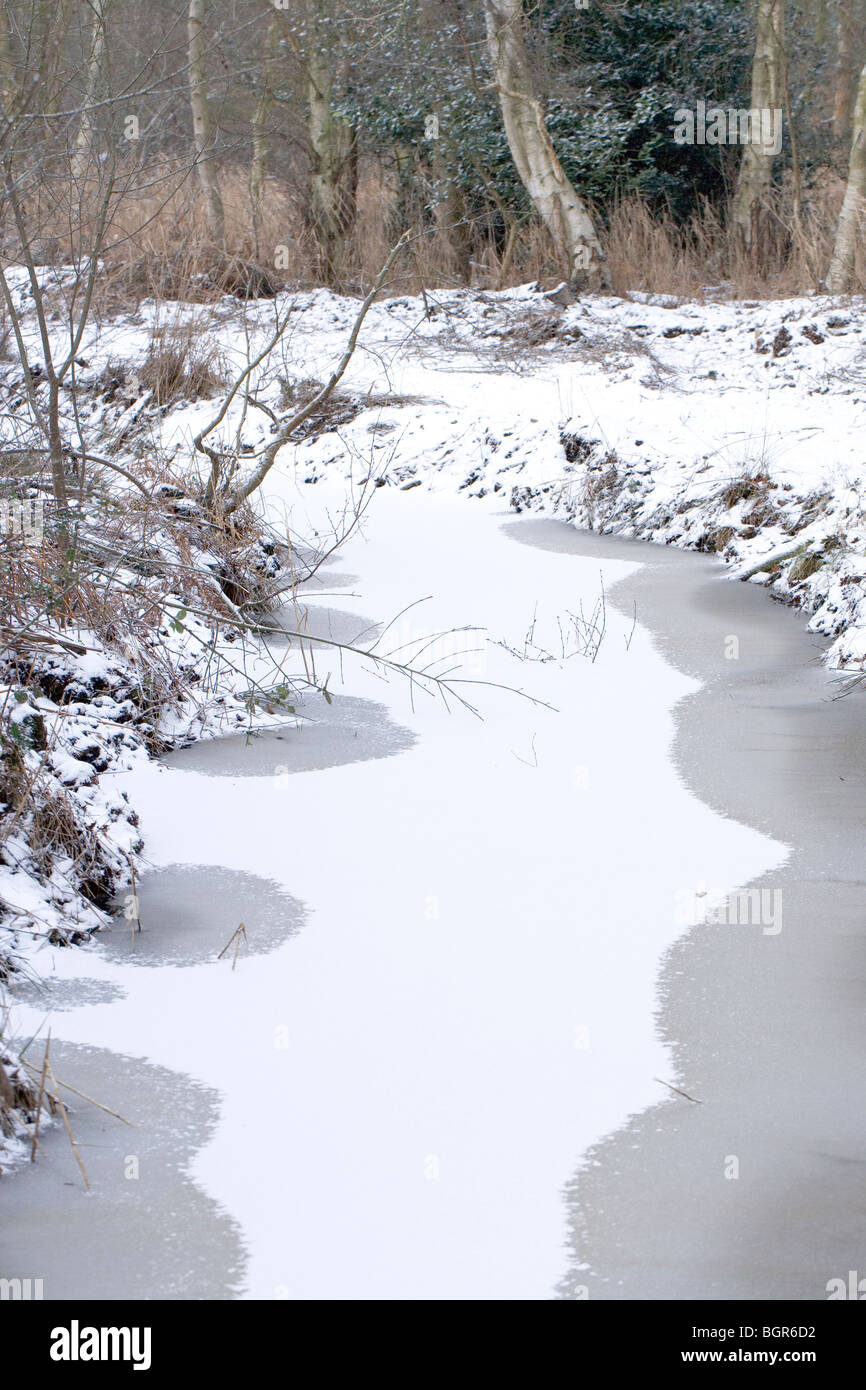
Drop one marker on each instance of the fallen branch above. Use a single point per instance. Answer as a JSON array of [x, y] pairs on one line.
[[769, 561], [45, 638]]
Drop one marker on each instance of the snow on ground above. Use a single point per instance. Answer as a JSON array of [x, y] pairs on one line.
[[732, 427], [485, 902]]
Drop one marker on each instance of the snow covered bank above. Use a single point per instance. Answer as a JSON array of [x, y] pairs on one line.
[[717, 427], [734, 428], [731, 427]]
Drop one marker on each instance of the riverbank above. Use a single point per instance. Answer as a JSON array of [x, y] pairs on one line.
[[504, 894]]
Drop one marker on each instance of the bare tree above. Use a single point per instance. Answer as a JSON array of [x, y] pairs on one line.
[[225, 491], [7, 70], [751, 197], [33, 149], [58, 366], [332, 148], [845, 68], [852, 218], [94, 82], [561, 208], [202, 125], [261, 143], [449, 211]]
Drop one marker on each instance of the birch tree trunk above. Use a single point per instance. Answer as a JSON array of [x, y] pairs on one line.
[[261, 142], [750, 213], [93, 84], [332, 143], [560, 207], [201, 123], [852, 218], [845, 70]]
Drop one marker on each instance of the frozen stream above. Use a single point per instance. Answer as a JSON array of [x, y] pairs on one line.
[[456, 929]]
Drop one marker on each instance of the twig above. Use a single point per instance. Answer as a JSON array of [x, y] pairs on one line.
[[59, 1099], [684, 1094], [83, 1096], [49, 639], [137, 918], [240, 931], [35, 1144], [633, 628]]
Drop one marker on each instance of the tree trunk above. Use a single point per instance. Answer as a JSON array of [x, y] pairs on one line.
[[450, 216], [750, 212], [7, 68], [201, 124], [44, 46], [845, 69], [332, 148], [93, 84], [562, 210], [852, 218], [261, 142]]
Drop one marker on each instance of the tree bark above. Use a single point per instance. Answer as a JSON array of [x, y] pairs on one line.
[[261, 141], [7, 70], [751, 198], [560, 207], [852, 218], [201, 123], [845, 69], [332, 147], [93, 83], [450, 216]]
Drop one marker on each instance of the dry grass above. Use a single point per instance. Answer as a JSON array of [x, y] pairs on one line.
[[183, 362], [158, 245], [746, 488], [18, 1095], [57, 835], [131, 553], [601, 486], [652, 253]]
